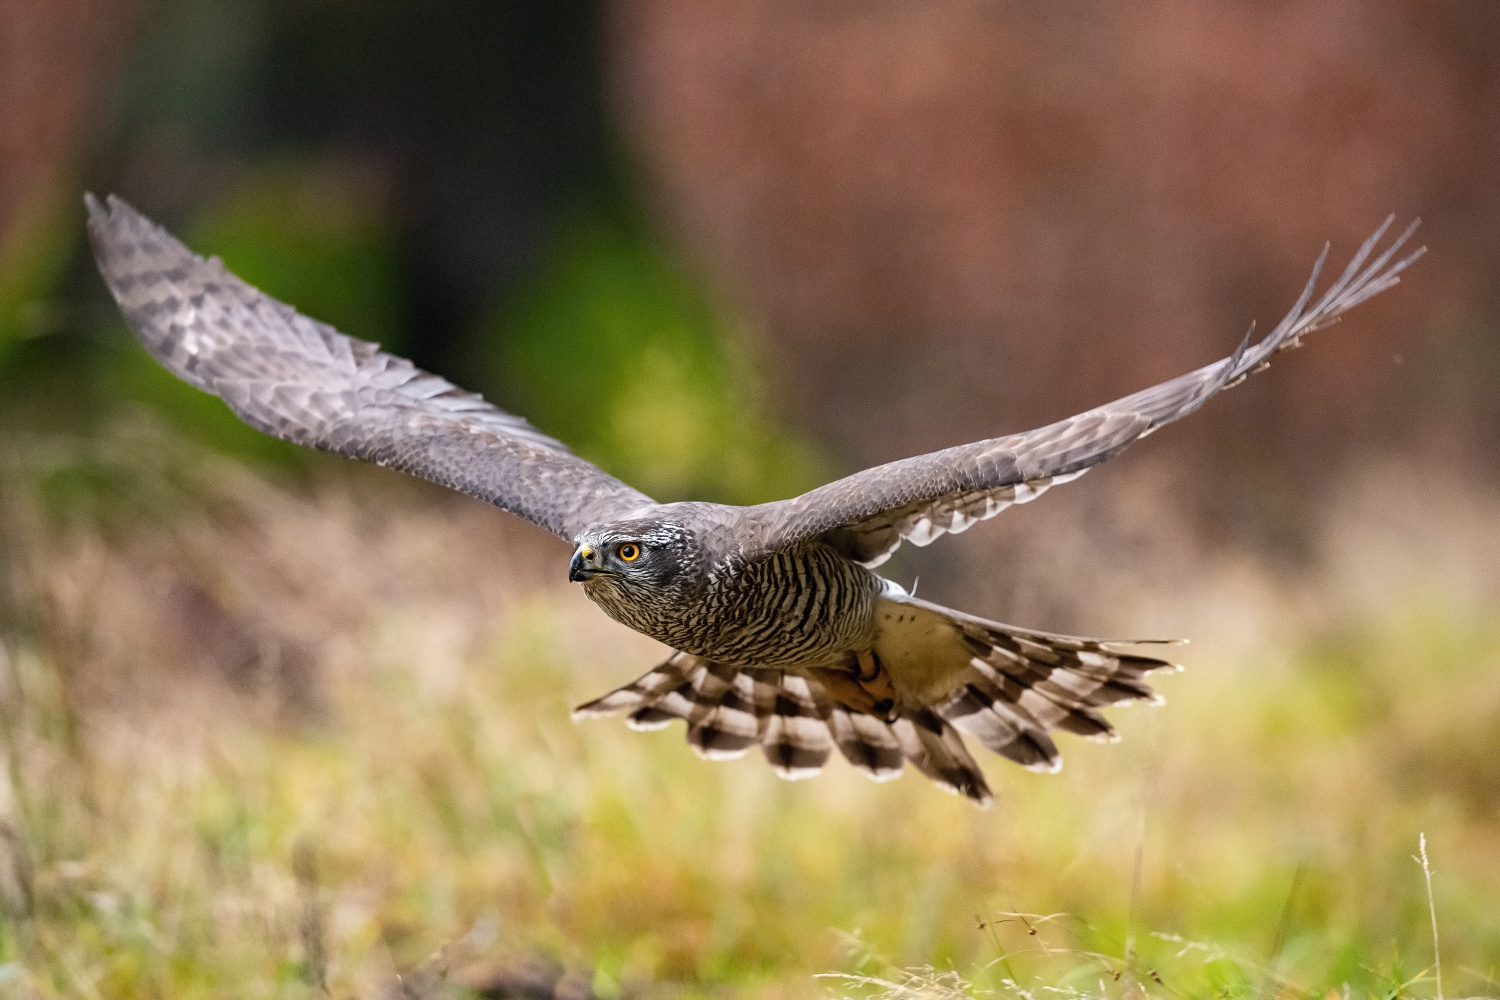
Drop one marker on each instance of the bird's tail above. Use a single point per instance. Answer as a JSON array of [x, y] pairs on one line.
[[794, 719], [1007, 686], [932, 673]]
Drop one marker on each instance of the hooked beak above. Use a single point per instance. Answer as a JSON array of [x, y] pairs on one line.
[[584, 565]]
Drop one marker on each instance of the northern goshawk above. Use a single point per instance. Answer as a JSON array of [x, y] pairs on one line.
[[782, 635]]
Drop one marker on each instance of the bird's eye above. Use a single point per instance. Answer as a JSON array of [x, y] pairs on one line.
[[629, 552]]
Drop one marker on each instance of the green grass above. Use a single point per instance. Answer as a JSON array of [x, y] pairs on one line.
[[184, 818]]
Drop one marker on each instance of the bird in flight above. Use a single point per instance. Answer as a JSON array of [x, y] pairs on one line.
[[782, 634]]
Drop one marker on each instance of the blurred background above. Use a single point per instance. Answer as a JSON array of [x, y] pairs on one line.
[[277, 724]]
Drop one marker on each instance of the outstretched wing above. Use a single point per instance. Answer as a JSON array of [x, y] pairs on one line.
[[867, 515], [303, 381]]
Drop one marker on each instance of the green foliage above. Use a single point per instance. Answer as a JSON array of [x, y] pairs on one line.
[[175, 841], [177, 844], [33, 254], [610, 346], [612, 349], [316, 237]]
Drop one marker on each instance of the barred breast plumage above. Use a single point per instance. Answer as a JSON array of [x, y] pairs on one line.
[[806, 607]]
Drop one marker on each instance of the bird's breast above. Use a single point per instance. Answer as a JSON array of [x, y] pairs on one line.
[[803, 607]]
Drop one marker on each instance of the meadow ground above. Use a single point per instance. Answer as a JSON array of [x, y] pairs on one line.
[[314, 740]]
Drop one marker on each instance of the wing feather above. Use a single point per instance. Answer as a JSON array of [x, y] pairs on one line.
[[303, 381], [867, 515]]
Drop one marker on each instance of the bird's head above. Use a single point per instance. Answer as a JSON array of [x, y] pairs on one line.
[[650, 554]]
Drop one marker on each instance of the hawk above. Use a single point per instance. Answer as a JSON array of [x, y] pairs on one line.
[[782, 634]]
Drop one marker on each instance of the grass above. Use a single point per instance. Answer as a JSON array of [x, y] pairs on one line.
[[314, 741]]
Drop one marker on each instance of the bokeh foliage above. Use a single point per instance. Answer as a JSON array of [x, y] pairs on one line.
[[271, 723], [613, 349], [170, 831], [609, 344]]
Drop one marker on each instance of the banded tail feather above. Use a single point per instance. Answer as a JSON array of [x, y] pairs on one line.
[[797, 742], [1018, 687], [867, 743], [1006, 687], [642, 694], [793, 718], [1010, 687], [935, 749]]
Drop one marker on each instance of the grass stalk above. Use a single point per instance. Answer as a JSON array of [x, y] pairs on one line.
[[1437, 958]]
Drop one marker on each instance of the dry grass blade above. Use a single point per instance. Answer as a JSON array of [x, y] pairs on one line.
[[1437, 957]]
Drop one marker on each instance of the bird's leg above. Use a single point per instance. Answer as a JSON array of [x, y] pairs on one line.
[[865, 688]]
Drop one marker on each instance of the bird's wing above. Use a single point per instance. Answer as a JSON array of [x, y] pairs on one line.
[[303, 381], [868, 515]]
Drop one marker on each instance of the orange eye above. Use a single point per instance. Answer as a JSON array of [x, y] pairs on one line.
[[629, 552]]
